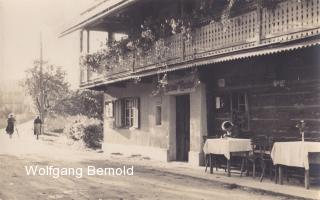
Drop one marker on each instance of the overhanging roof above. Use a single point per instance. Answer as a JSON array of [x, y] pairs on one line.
[[96, 13]]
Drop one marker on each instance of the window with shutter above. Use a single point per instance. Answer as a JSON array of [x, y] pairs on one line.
[[127, 113], [118, 113], [136, 109]]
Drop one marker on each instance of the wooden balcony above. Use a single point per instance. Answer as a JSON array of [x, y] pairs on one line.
[[290, 22]]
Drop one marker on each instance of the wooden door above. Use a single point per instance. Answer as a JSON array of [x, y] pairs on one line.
[[183, 127]]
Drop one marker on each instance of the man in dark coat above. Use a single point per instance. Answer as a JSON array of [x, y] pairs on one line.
[[37, 126]]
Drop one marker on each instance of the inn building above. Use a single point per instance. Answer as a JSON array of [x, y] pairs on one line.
[[255, 64]]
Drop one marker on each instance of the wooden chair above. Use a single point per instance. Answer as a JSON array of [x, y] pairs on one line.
[[265, 157], [261, 149]]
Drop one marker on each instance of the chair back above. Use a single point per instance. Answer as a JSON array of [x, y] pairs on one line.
[[261, 144]]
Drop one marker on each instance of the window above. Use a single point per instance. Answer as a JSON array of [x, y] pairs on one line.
[[127, 113], [239, 107], [236, 105], [158, 115]]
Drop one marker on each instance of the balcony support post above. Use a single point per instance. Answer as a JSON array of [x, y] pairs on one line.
[[81, 41], [88, 51], [88, 41], [81, 53]]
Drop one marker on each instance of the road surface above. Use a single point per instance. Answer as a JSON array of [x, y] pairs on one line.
[[145, 183]]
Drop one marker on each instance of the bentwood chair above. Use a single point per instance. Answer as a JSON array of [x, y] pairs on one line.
[[261, 149]]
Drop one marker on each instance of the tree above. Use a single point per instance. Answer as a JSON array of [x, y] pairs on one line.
[[83, 102], [49, 84]]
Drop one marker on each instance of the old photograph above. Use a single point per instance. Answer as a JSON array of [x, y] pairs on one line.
[[159, 99]]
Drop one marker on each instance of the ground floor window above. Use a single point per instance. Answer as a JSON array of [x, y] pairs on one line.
[[240, 110], [235, 105], [158, 115], [126, 113]]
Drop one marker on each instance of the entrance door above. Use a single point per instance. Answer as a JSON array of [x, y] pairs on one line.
[[183, 127]]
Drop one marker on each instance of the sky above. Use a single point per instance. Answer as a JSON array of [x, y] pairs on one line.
[[22, 21]]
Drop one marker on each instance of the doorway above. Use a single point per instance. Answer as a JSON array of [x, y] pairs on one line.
[[182, 127]]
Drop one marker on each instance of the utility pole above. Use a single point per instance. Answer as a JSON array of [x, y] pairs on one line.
[[41, 100]]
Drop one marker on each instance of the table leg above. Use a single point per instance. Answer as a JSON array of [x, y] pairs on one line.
[[247, 165], [280, 175], [254, 169], [211, 166], [216, 162], [228, 167], [276, 174], [306, 179], [242, 166]]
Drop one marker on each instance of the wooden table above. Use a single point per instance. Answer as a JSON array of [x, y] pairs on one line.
[[226, 147], [294, 154]]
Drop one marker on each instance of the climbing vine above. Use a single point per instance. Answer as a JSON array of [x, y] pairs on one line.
[[150, 34]]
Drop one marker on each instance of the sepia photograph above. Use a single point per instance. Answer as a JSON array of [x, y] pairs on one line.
[[159, 99]]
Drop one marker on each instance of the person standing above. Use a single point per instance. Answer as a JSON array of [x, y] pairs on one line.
[[10, 125], [37, 126]]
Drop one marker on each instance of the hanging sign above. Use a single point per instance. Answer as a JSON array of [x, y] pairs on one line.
[[186, 84]]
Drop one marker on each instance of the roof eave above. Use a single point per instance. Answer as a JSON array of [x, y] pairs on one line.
[[93, 15]]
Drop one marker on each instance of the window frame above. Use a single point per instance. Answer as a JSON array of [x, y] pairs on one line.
[[127, 113], [158, 115], [232, 102]]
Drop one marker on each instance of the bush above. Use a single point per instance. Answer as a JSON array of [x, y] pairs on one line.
[[88, 130], [93, 136]]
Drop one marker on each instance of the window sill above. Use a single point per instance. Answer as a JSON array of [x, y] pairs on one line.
[[127, 127]]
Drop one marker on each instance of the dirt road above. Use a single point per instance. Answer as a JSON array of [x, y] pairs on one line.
[[146, 183]]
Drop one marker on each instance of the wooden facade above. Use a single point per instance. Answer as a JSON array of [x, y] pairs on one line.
[[260, 69], [274, 92]]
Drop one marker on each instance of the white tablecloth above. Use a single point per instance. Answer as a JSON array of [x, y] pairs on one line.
[[293, 154], [225, 146]]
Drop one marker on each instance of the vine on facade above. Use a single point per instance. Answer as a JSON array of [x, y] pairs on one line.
[[149, 36]]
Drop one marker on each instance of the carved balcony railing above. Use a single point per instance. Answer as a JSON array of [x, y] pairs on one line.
[[289, 20]]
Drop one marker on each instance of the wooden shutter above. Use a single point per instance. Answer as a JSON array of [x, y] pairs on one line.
[[136, 111], [118, 113], [109, 107]]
